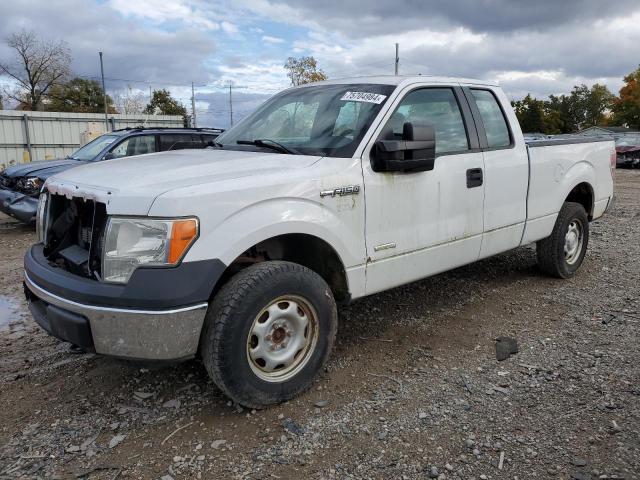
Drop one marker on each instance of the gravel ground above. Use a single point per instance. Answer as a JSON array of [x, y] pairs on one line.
[[413, 389]]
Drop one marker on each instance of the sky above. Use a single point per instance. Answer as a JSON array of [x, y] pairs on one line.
[[540, 47]]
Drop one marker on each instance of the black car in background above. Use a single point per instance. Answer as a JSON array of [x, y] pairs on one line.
[[20, 185]]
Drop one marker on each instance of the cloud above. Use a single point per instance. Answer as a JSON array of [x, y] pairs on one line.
[[362, 18], [273, 40], [160, 11], [229, 28], [542, 47], [132, 51], [579, 40]]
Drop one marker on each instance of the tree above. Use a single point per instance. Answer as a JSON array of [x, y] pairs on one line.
[[78, 95], [162, 103], [598, 104], [130, 102], [303, 70], [1, 106], [37, 67], [530, 113], [583, 107], [626, 108]]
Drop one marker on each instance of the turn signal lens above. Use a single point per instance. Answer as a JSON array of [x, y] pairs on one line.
[[183, 234]]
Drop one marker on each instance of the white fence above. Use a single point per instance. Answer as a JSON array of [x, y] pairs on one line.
[[27, 136]]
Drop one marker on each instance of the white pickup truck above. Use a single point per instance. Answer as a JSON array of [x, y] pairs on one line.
[[328, 192]]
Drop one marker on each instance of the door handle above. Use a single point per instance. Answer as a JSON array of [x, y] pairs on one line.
[[474, 177]]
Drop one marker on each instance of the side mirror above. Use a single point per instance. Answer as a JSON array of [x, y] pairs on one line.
[[416, 152]]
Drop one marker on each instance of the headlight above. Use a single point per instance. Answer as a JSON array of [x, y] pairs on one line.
[[41, 217], [29, 185], [132, 242]]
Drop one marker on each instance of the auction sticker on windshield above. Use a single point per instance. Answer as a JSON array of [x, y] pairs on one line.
[[364, 97]]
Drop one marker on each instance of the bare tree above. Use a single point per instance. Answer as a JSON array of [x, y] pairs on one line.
[[130, 102], [37, 66]]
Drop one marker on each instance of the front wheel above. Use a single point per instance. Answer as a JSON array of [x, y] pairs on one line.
[[562, 252], [268, 332]]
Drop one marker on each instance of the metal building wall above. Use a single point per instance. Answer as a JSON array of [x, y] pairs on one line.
[[49, 135]]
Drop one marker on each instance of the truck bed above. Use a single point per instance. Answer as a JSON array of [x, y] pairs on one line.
[[565, 141], [555, 165]]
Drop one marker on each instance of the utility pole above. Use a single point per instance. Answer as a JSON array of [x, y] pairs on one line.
[[150, 95], [193, 107], [104, 92], [230, 106], [397, 57]]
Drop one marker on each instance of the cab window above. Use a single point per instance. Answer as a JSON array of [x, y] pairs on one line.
[[437, 107], [495, 125]]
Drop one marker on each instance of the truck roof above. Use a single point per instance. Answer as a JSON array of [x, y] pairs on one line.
[[404, 79]]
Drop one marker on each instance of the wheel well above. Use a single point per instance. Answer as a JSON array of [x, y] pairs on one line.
[[582, 194], [307, 250]]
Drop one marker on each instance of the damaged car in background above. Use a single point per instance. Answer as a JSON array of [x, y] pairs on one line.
[[628, 151], [20, 185]]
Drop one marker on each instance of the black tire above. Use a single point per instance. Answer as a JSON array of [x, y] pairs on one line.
[[551, 250], [233, 314]]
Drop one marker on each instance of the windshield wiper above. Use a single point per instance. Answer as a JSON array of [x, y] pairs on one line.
[[267, 143]]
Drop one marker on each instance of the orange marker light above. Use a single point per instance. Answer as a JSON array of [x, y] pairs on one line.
[[183, 233]]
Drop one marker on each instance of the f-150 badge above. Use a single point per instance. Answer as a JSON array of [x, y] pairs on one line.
[[341, 191]]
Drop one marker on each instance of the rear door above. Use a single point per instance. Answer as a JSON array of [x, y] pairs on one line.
[[506, 169], [421, 223]]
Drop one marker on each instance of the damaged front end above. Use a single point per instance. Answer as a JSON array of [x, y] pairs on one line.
[[156, 315], [72, 233], [19, 198]]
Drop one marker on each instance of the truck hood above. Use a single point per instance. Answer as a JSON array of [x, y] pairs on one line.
[[130, 185], [41, 169]]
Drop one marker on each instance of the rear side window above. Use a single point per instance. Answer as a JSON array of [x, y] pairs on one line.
[[180, 141], [437, 107], [495, 125]]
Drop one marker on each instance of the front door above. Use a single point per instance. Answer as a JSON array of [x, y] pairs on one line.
[[421, 223]]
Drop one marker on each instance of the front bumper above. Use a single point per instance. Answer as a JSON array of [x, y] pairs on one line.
[[136, 334], [123, 320], [18, 205]]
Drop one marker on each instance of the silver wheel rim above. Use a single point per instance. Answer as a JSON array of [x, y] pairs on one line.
[[282, 338], [573, 242]]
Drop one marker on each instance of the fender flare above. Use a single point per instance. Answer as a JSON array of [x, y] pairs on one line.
[[280, 216], [581, 172]]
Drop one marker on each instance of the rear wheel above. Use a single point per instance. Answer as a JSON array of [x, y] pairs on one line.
[[268, 332], [562, 252]]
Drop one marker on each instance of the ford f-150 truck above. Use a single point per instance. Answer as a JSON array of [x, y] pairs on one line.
[[328, 192]]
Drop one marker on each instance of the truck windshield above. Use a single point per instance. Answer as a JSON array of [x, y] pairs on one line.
[[93, 148], [327, 120]]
